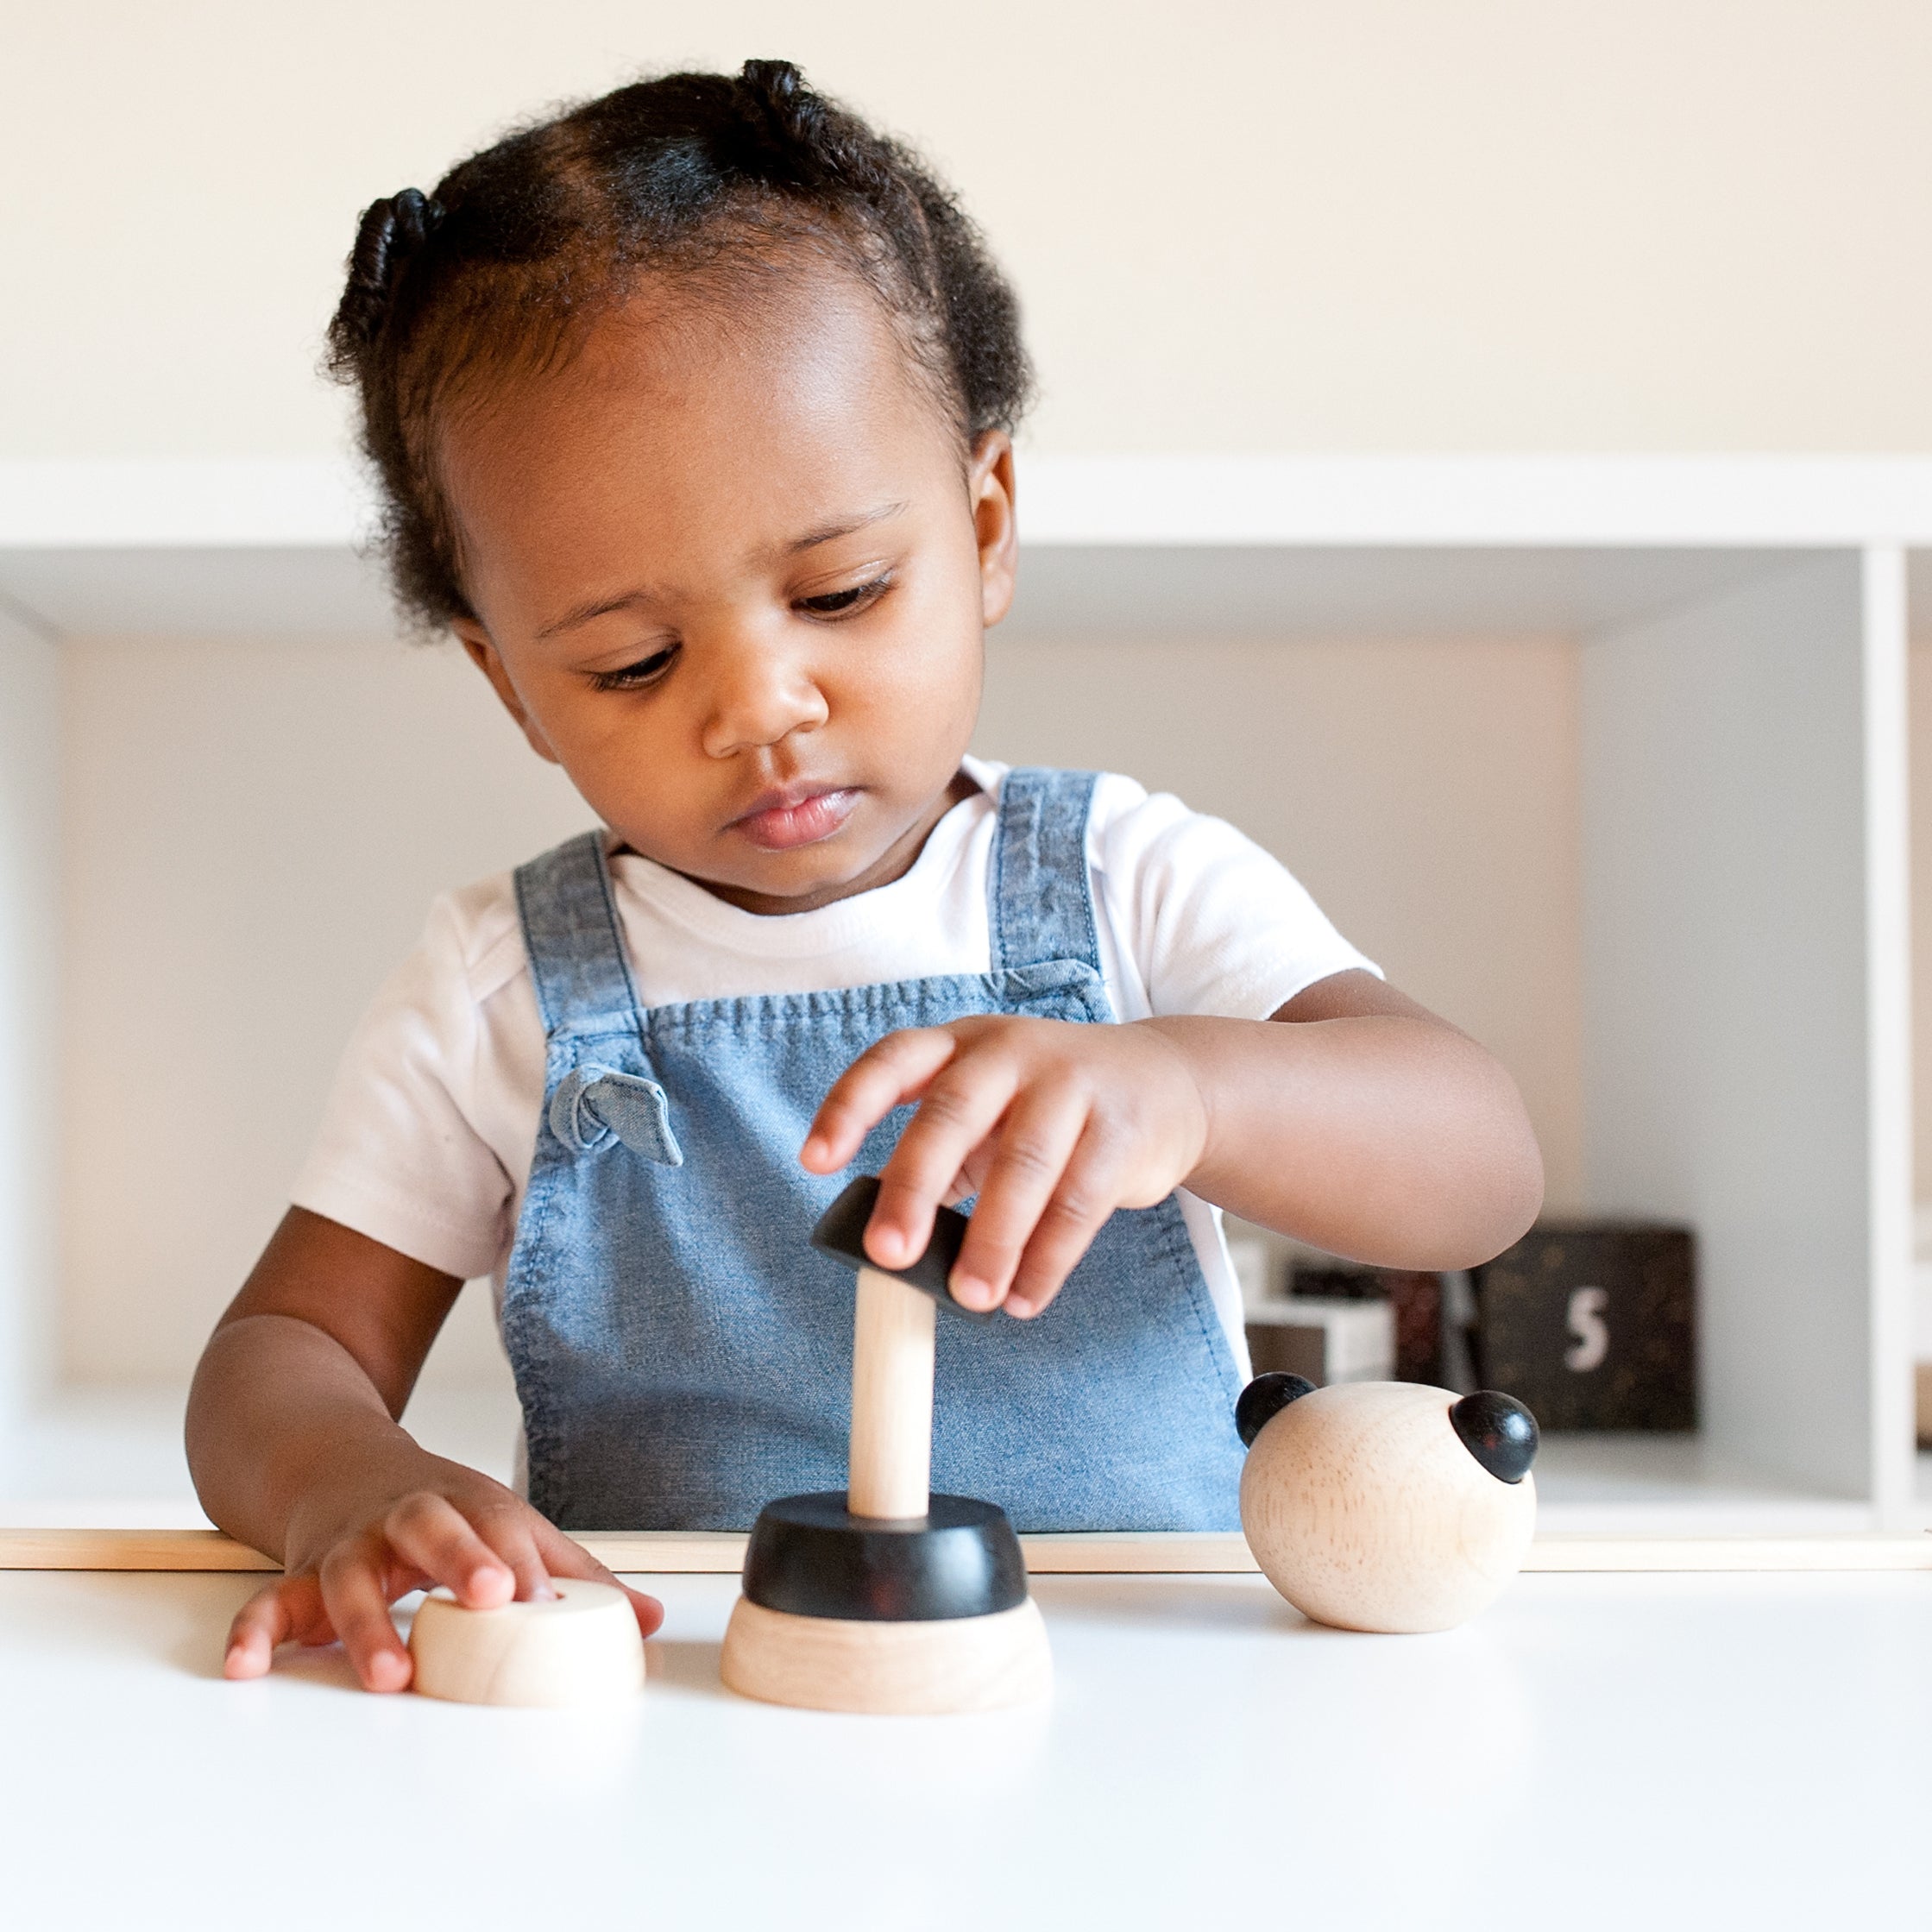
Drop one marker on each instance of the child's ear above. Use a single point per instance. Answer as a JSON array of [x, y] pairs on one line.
[[483, 654], [990, 486]]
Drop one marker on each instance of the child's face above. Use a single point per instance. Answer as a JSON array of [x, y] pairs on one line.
[[729, 573]]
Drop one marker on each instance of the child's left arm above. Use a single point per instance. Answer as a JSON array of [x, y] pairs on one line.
[[1353, 1119]]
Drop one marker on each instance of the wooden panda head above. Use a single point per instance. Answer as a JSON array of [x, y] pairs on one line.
[[1386, 1506]]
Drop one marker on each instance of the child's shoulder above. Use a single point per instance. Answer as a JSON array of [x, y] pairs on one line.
[[1134, 833], [473, 936], [1132, 827], [1116, 798]]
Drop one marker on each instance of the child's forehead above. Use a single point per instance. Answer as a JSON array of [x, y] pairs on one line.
[[687, 419], [680, 362]]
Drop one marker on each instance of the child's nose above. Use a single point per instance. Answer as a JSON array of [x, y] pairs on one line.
[[758, 696]]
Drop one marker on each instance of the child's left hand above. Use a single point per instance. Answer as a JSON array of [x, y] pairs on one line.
[[1352, 1119], [1053, 1124]]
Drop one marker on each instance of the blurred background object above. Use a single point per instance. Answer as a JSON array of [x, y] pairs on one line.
[[1593, 1324]]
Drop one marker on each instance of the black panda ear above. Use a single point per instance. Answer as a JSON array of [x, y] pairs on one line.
[[1266, 1397], [1499, 1432]]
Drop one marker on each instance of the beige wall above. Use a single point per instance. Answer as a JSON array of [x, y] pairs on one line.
[[1244, 224], [252, 833]]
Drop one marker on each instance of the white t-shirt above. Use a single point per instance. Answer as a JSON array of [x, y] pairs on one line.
[[427, 1137]]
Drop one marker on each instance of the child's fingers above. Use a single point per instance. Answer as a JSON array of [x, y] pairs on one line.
[[1088, 1192], [566, 1558], [289, 1607], [892, 1070], [358, 1607], [510, 1531], [431, 1534], [508, 1527], [961, 1107], [1026, 1171]]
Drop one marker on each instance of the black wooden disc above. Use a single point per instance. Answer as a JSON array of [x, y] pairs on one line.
[[841, 1231], [812, 1557]]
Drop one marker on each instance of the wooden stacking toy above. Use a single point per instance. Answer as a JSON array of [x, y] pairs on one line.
[[887, 1598], [581, 1646], [1386, 1506]]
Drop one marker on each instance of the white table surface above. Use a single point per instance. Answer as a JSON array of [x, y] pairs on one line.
[[1717, 1750]]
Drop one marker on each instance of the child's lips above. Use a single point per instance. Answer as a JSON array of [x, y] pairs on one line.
[[780, 821]]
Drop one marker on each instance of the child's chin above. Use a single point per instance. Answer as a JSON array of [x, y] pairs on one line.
[[812, 875]]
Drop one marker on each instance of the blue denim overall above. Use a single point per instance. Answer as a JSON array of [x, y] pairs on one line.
[[683, 1355]]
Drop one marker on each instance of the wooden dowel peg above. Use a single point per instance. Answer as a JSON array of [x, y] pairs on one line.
[[891, 1451], [889, 1598]]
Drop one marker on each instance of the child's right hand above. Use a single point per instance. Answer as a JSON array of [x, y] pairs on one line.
[[366, 1538]]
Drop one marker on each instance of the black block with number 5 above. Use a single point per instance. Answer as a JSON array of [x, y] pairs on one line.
[[1593, 1324]]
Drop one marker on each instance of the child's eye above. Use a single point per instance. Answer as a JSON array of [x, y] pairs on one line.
[[630, 677], [842, 603]]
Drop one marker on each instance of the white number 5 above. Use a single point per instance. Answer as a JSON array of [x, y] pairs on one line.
[[1586, 1323]]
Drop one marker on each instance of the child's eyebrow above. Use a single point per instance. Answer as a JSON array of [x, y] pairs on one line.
[[830, 532], [581, 614], [825, 534]]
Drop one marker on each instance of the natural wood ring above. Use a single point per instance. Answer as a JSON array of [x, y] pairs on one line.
[[940, 1664]]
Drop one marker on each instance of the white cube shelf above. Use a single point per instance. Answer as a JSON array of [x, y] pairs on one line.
[[1745, 893]]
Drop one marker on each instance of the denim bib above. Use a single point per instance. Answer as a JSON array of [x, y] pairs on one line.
[[683, 1356]]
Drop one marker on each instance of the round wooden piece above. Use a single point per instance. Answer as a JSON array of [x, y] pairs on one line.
[[581, 1647], [1366, 1510], [812, 1557], [933, 1666]]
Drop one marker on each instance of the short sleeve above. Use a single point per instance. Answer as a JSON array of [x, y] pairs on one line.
[[398, 1156], [1204, 920]]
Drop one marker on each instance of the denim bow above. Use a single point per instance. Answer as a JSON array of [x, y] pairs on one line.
[[596, 1104]]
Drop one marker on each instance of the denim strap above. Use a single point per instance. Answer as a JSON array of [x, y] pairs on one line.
[[1040, 900], [571, 932]]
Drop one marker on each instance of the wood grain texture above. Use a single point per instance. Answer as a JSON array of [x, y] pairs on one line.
[[1366, 1510], [582, 1647], [1081, 1552], [943, 1666], [196, 1550], [1101, 1554], [892, 1453]]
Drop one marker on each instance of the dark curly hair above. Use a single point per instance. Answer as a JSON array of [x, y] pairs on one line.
[[704, 178]]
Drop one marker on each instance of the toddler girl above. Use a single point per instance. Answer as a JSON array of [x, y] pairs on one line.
[[693, 410]]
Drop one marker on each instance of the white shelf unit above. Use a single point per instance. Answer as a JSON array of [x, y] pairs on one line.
[[1743, 623]]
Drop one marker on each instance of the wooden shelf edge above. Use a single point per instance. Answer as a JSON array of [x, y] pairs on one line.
[[185, 1550], [673, 1552]]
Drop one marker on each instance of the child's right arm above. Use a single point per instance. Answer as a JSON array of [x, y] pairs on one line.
[[295, 1448]]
